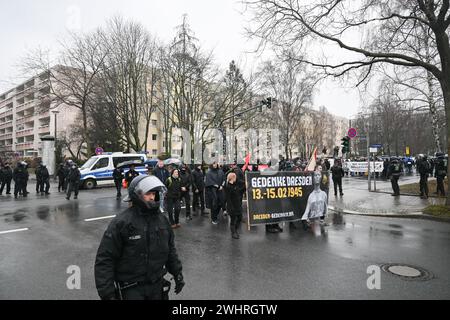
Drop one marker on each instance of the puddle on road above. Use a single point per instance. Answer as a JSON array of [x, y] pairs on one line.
[[16, 216], [70, 211]]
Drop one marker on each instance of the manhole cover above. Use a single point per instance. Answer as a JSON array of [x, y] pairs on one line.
[[407, 272]]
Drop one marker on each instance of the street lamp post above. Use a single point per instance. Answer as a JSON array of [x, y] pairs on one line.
[[55, 112]]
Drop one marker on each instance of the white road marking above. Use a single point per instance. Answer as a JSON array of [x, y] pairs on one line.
[[15, 230], [99, 218]]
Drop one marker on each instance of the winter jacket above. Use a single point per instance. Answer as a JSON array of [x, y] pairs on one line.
[[161, 173], [186, 180], [138, 246], [74, 175], [198, 180], [173, 188], [233, 199], [214, 178], [337, 172]]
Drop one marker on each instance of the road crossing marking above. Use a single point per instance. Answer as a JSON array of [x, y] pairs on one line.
[[15, 230], [99, 218]]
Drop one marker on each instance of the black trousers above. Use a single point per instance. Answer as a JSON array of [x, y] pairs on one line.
[[235, 222], [38, 185], [198, 197], [6, 183], [44, 186], [213, 202], [20, 187], [424, 184], [118, 184], [440, 185], [61, 184], [187, 201], [394, 183], [337, 182], [72, 186], [146, 291], [173, 208]]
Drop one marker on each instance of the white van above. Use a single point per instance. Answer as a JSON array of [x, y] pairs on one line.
[[98, 169]]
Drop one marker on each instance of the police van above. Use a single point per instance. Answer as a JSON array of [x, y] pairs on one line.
[[98, 169]]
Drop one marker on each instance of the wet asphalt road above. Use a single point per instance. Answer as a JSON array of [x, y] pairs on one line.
[[291, 265]]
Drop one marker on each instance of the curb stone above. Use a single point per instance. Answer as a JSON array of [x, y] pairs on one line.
[[413, 215]]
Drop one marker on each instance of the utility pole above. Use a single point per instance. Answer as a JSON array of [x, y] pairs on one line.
[[368, 155]]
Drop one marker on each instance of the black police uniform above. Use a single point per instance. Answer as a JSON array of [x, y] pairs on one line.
[[38, 179], [395, 171], [136, 251], [20, 177], [118, 177], [337, 174], [440, 173], [73, 180], [6, 174], [424, 168], [61, 178], [45, 180]]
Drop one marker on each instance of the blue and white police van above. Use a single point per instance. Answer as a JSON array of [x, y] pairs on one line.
[[98, 170]]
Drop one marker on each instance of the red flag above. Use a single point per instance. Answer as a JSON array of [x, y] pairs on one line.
[[247, 161]]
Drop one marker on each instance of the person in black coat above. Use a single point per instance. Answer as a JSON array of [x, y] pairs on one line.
[[233, 195], [73, 180], [198, 186], [39, 187], [118, 177], [186, 183], [337, 174], [138, 249], [61, 173], [20, 177], [173, 198], [6, 174], [45, 179], [214, 181]]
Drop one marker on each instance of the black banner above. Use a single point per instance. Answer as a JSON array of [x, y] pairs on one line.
[[284, 196]]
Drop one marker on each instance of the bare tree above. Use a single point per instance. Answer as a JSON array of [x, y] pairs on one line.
[[292, 85], [392, 25]]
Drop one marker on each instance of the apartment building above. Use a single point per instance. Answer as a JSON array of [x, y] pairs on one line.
[[27, 114]]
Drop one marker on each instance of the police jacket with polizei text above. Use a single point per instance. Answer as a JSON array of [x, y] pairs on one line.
[[136, 247]]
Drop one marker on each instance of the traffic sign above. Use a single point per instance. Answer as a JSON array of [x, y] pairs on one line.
[[98, 150], [373, 150], [376, 145], [351, 132]]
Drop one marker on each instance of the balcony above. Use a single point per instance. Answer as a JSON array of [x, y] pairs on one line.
[[24, 119], [6, 113], [44, 129], [26, 105], [6, 124], [24, 145], [6, 135], [25, 132]]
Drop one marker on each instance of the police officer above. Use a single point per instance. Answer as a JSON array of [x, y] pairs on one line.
[[440, 172], [20, 177], [73, 180], [395, 171], [118, 177], [45, 179], [424, 168], [39, 188], [138, 248], [337, 174], [6, 174], [61, 177]]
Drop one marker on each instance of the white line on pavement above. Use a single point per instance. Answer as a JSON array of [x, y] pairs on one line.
[[99, 218], [15, 230]]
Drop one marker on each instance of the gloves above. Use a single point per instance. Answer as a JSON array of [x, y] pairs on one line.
[[179, 283]]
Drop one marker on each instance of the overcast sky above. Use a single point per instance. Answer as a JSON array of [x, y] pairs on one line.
[[218, 24]]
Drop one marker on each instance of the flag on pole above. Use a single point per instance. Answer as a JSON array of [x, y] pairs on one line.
[[247, 161], [312, 162]]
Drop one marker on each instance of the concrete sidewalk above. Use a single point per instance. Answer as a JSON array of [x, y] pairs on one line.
[[359, 201]]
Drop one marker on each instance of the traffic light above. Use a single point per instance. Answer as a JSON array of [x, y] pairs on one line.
[[345, 144], [269, 103]]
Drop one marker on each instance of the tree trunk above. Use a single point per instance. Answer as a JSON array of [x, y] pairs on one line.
[[433, 113], [445, 85]]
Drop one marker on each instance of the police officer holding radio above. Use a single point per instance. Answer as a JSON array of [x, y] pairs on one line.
[[138, 248]]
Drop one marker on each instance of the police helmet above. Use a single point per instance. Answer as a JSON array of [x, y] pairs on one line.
[[440, 155], [143, 184]]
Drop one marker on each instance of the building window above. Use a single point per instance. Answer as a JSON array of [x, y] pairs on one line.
[[154, 152], [154, 123], [154, 137]]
